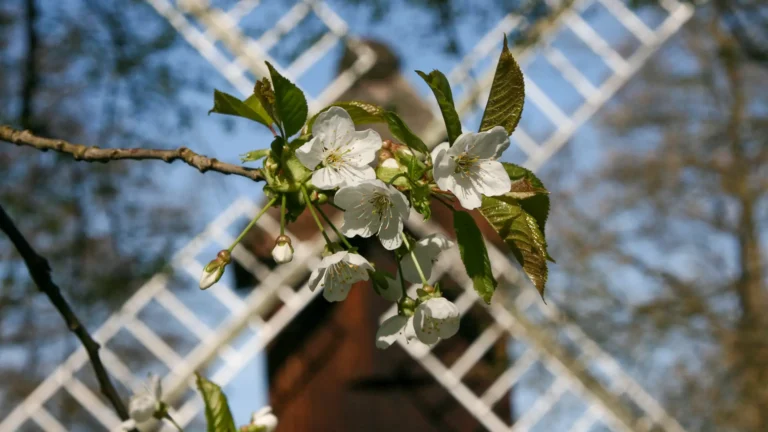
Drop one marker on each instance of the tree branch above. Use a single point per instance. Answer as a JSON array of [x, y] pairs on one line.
[[96, 154], [41, 274]]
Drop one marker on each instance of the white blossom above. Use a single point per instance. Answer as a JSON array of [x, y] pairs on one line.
[[337, 273], [390, 330], [373, 207], [470, 168], [436, 319], [264, 418], [433, 320], [343, 153], [144, 404], [426, 251], [283, 251]]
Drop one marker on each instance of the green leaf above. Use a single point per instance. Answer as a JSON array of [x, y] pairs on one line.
[[277, 148], [474, 254], [252, 109], [361, 113], [520, 231], [290, 103], [217, 413], [442, 91], [402, 132], [505, 102], [536, 205], [254, 155]]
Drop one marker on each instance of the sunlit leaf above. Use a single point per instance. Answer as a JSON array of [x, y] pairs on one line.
[[536, 205], [251, 108], [402, 132], [290, 103], [442, 91], [505, 102], [217, 414], [520, 231]]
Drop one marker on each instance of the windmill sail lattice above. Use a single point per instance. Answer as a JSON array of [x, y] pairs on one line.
[[226, 343]]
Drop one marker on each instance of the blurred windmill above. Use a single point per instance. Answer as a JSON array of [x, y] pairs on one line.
[[323, 368]]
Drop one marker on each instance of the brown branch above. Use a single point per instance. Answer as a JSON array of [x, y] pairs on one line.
[[41, 274], [96, 154]]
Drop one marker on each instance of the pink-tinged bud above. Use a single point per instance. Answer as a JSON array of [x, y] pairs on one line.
[[283, 251]]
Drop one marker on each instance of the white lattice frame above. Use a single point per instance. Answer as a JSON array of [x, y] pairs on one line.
[[246, 313], [251, 54]]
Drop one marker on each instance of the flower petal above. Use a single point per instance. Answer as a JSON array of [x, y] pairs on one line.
[[353, 174], [410, 331], [142, 406], [315, 277], [423, 328], [390, 330], [311, 153], [462, 143], [402, 206], [436, 319], [441, 162], [466, 191], [334, 125], [334, 290], [333, 259], [490, 144], [389, 230], [361, 263], [327, 178], [491, 178], [361, 149]]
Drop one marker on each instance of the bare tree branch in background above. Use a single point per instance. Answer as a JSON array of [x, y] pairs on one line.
[[96, 154], [40, 272]]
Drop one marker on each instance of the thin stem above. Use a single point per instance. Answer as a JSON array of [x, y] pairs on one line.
[[272, 130], [338, 233], [282, 215], [314, 215], [333, 204], [415, 261], [40, 272], [173, 422], [252, 223], [400, 272], [392, 180]]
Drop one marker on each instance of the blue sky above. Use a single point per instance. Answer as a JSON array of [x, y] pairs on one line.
[[227, 138]]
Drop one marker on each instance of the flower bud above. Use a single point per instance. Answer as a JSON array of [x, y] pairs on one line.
[[262, 421], [215, 269], [283, 251], [384, 155]]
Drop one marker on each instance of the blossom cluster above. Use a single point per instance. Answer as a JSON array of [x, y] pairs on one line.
[[342, 162]]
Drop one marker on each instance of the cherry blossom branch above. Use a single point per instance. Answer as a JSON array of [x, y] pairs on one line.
[[103, 155], [40, 272]]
